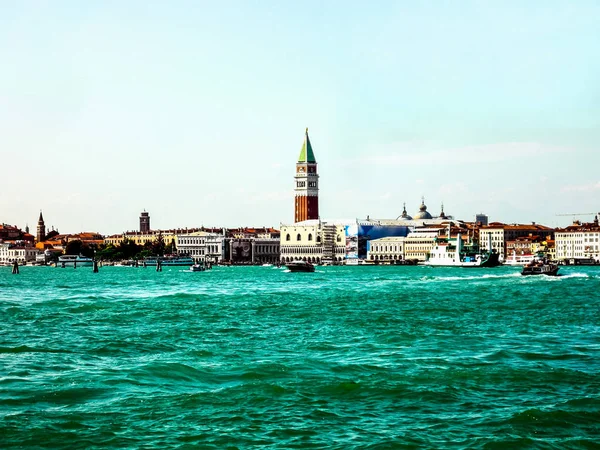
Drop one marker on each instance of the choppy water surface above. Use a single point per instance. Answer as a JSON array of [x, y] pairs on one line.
[[348, 357]]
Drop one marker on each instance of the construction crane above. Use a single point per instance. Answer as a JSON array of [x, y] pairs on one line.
[[578, 214]]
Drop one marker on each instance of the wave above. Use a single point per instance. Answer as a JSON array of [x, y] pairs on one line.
[[27, 349], [179, 296], [574, 275], [485, 276], [556, 418]]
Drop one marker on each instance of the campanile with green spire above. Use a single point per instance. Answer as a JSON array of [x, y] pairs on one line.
[[306, 198]]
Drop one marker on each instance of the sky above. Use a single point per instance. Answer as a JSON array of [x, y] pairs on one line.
[[195, 111]]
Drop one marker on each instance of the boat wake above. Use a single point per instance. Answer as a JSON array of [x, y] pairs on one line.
[[574, 275], [472, 277]]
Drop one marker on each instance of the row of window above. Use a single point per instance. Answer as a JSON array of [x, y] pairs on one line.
[[310, 237], [384, 248], [190, 241], [300, 250], [267, 249]]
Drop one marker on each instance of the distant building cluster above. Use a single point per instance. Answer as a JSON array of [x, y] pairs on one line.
[[320, 241]]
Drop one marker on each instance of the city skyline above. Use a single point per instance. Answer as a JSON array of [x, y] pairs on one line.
[[196, 114]]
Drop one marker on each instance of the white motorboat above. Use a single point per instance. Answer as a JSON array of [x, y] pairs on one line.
[[74, 261], [170, 261]]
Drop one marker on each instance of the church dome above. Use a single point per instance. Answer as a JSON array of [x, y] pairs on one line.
[[442, 214], [422, 214], [404, 215]]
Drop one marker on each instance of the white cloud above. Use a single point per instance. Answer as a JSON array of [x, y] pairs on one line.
[[582, 187]]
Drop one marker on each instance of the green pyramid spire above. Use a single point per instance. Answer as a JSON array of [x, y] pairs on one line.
[[306, 153]]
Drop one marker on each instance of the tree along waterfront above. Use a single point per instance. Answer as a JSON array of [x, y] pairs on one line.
[[126, 250]]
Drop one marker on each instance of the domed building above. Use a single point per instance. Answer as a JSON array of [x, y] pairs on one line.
[[422, 214], [442, 215], [404, 215]]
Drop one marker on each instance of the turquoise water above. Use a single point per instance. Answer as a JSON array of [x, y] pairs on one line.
[[257, 357]]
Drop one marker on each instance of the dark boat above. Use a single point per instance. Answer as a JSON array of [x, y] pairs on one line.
[[300, 266], [541, 267]]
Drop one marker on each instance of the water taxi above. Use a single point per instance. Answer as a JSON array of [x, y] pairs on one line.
[[300, 266], [541, 267]]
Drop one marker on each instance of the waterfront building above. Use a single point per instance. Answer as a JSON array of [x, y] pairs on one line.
[[419, 243], [547, 246], [387, 249], [369, 229], [10, 253], [168, 236], [306, 192], [252, 246], [579, 241], [522, 245], [415, 246], [144, 222], [193, 244], [16, 245], [316, 241], [501, 233], [215, 248], [41, 229]]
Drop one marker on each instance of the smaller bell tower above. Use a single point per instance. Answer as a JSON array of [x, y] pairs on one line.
[[41, 229]]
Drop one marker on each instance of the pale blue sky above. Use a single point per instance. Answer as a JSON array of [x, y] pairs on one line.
[[196, 111]]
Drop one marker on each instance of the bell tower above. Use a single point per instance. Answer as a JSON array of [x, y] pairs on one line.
[[144, 222], [41, 229], [306, 195]]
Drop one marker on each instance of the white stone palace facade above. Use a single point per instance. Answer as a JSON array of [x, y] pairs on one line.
[[313, 241]]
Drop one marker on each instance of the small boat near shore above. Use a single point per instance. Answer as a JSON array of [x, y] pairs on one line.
[[197, 268], [300, 266]]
